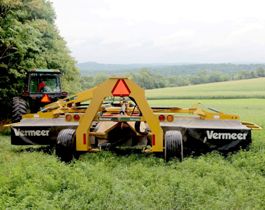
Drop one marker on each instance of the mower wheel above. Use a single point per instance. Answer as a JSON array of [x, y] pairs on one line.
[[65, 145], [173, 145], [19, 107]]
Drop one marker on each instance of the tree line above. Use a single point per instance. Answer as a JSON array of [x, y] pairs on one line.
[[150, 80], [29, 39]]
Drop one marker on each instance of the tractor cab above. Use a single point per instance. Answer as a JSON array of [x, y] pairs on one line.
[[43, 83], [42, 86]]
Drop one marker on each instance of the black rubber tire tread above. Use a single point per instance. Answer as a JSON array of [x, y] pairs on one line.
[[173, 145], [65, 145], [19, 107]]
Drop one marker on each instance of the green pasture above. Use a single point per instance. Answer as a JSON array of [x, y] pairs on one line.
[[35, 179], [251, 88]]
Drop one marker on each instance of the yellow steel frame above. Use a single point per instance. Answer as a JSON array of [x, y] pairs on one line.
[[97, 96], [197, 110]]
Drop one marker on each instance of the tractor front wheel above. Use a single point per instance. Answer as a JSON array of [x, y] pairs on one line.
[[19, 107], [65, 145], [173, 145]]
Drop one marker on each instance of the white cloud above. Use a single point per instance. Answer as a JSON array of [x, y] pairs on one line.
[[128, 31]]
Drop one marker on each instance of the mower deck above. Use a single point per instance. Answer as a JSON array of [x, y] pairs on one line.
[[117, 114], [198, 135]]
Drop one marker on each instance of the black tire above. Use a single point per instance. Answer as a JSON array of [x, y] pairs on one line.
[[19, 107], [65, 146], [173, 145]]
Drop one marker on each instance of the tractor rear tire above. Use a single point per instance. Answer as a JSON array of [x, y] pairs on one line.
[[65, 145], [173, 145], [19, 107]]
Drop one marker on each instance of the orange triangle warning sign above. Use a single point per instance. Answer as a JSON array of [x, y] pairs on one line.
[[45, 99], [120, 89]]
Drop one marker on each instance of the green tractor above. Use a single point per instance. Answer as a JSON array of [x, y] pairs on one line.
[[42, 86]]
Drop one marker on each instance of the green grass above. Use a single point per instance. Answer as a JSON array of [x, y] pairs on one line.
[[36, 180], [252, 88]]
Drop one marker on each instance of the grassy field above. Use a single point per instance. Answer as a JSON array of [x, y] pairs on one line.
[[252, 88], [35, 179]]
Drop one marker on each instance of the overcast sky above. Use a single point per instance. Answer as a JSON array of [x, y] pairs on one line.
[[163, 31]]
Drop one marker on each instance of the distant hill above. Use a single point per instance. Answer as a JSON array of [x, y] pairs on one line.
[[250, 88], [89, 68], [92, 67]]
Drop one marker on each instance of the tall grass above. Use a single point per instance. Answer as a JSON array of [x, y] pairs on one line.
[[30, 179]]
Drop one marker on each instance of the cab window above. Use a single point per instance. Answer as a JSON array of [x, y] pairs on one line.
[[45, 84]]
